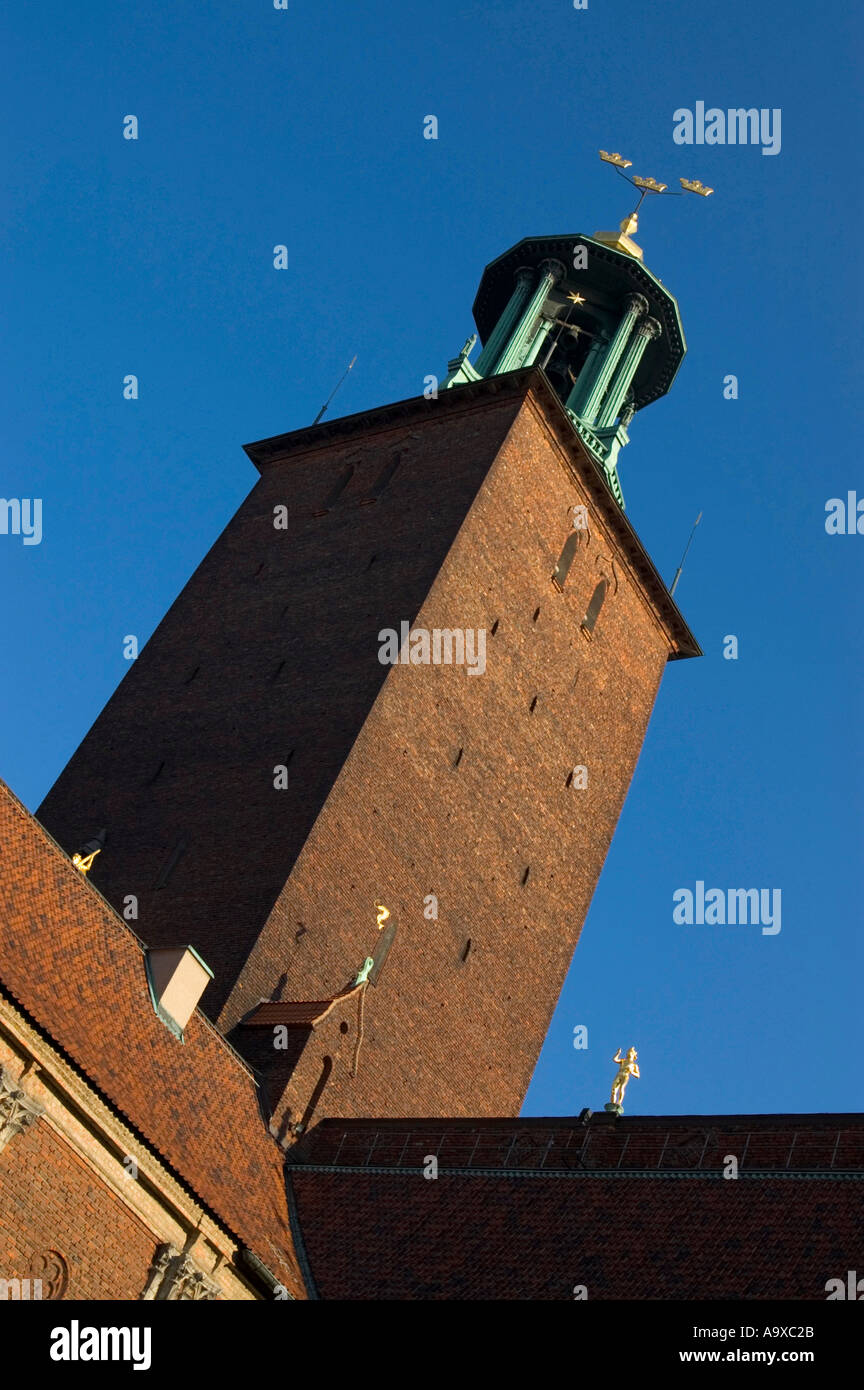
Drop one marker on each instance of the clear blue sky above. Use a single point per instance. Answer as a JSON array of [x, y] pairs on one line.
[[304, 127]]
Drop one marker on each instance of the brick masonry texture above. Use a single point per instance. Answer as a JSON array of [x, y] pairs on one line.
[[403, 782], [79, 973], [51, 1202], [633, 1208], [443, 1035], [270, 656]]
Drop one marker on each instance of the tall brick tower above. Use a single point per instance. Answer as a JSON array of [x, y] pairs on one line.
[[265, 779]]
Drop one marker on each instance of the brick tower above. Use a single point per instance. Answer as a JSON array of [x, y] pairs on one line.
[[265, 778]]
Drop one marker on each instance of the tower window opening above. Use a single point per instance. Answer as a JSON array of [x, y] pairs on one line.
[[593, 611], [170, 864], [565, 560], [384, 479], [567, 359], [338, 488]]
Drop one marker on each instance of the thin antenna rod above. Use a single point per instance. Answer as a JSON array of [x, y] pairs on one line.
[[684, 556], [556, 338], [335, 389]]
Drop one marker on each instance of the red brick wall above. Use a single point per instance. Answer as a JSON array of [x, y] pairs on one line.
[[208, 699], [443, 1036], [467, 534], [50, 1201]]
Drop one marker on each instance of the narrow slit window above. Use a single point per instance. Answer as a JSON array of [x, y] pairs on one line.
[[170, 864], [562, 569], [336, 491], [384, 479], [594, 607]]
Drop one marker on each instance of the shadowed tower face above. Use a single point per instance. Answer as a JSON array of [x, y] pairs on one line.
[[265, 778]]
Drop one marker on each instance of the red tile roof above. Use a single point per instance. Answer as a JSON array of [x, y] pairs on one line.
[[633, 1208], [308, 1014], [76, 968]]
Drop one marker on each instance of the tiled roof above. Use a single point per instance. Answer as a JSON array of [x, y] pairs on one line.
[[78, 971], [308, 1014], [664, 1143], [627, 1208]]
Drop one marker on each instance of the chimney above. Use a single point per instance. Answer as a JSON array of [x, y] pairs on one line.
[[177, 977]]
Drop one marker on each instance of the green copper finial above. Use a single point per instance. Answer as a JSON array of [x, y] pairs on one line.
[[603, 329], [363, 973]]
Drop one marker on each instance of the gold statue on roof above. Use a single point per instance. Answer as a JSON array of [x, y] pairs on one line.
[[627, 1067]]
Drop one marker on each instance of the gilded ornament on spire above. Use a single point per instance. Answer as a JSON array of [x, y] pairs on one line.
[[622, 239]]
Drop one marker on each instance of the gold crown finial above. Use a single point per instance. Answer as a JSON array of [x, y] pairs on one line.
[[622, 239]]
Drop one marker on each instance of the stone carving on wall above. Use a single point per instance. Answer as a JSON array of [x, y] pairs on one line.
[[175, 1277], [17, 1110], [52, 1270]]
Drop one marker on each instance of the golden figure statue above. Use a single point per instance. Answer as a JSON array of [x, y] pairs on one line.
[[84, 863], [627, 1067], [383, 914]]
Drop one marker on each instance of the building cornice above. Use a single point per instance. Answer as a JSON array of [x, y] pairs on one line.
[[269, 453], [80, 1115]]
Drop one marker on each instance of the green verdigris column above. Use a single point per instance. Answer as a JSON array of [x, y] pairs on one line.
[[545, 328], [583, 382], [485, 363], [644, 334], [516, 350], [634, 306]]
